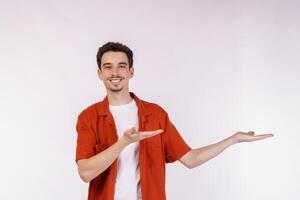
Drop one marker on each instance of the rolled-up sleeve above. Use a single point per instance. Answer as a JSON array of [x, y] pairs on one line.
[[85, 138], [174, 145]]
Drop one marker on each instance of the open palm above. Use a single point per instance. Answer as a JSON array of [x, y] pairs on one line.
[[249, 136]]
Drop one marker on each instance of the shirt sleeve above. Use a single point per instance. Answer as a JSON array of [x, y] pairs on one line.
[[174, 145], [85, 138]]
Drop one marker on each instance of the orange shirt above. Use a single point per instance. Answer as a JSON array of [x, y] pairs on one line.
[[97, 131]]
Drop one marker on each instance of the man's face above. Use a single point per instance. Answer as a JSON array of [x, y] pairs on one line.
[[115, 72]]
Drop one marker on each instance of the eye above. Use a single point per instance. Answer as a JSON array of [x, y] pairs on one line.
[[107, 67]]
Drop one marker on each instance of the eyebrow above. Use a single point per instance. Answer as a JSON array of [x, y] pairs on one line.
[[120, 63], [106, 64]]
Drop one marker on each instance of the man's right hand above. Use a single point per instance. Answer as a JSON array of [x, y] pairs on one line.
[[132, 135], [90, 168]]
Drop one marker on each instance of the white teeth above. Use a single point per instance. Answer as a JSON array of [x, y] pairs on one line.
[[116, 81]]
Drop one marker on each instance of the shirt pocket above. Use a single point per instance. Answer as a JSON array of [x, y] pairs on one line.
[[154, 150]]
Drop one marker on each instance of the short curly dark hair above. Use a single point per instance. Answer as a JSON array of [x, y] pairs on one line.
[[116, 47]]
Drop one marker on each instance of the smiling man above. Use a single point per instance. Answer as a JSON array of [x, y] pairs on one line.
[[124, 142]]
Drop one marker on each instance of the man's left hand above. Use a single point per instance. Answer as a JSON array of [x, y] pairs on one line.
[[249, 136]]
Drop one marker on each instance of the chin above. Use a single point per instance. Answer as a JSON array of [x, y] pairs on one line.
[[115, 90]]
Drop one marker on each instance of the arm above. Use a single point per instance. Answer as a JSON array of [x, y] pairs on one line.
[[196, 157], [89, 168]]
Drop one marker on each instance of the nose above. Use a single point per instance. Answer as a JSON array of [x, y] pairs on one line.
[[115, 71]]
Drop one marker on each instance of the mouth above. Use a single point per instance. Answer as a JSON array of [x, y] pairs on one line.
[[116, 80]]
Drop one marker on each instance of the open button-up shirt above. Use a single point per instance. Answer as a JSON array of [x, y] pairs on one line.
[[96, 131]]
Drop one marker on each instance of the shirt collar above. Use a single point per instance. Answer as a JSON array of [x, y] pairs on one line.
[[103, 108]]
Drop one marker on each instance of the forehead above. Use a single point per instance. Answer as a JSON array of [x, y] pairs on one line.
[[114, 57]]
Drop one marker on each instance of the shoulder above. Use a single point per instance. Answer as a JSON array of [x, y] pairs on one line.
[[89, 112], [154, 108]]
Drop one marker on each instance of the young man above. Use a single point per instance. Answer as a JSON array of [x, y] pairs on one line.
[[124, 142]]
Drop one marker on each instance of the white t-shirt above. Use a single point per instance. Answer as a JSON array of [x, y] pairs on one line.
[[128, 171]]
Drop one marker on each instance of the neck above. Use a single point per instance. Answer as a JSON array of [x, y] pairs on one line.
[[119, 98]]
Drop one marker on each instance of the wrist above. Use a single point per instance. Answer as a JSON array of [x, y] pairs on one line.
[[123, 142], [232, 140]]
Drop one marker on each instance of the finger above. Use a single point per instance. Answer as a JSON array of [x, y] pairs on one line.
[[266, 135], [131, 130], [270, 134], [134, 129], [251, 133], [262, 136], [146, 134]]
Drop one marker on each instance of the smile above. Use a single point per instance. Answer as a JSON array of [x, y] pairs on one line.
[[116, 80]]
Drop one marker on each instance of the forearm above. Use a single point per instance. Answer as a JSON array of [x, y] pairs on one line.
[[199, 156], [90, 168]]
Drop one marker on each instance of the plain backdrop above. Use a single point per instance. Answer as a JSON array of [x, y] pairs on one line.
[[217, 67]]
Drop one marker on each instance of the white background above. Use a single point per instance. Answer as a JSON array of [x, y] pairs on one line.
[[216, 66]]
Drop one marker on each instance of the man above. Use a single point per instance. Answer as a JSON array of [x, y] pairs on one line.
[[124, 142]]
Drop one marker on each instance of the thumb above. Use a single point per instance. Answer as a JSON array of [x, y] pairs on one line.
[[133, 129]]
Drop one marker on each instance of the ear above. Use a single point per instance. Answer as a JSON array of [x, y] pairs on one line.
[[131, 71], [99, 72]]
